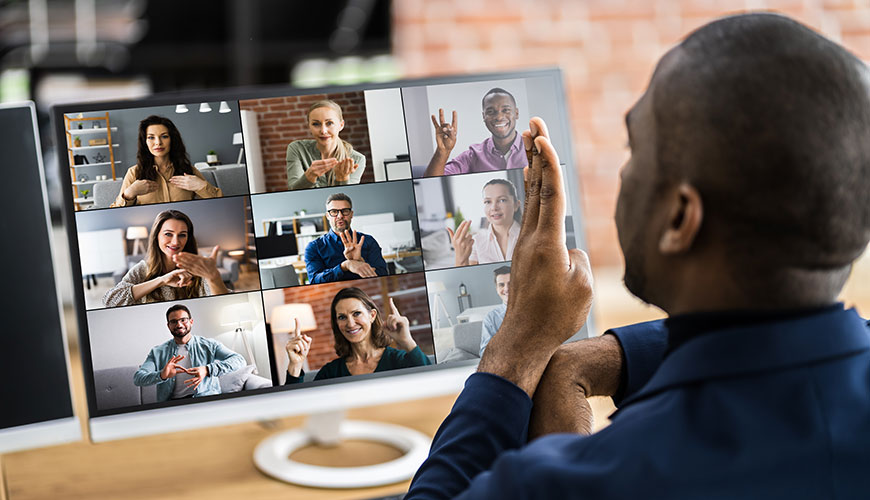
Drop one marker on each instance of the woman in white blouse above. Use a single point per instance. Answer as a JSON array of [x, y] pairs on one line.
[[495, 243]]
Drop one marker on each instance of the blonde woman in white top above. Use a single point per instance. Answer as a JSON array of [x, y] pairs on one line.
[[496, 243]]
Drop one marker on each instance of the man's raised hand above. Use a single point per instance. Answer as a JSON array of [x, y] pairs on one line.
[[445, 133]]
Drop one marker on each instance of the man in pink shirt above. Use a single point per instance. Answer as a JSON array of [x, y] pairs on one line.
[[502, 151]]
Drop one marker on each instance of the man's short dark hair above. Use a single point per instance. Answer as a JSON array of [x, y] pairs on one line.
[[500, 271], [497, 90], [771, 123], [177, 307], [339, 197]]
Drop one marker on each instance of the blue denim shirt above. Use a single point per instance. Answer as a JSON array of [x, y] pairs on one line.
[[491, 323], [323, 258], [202, 351]]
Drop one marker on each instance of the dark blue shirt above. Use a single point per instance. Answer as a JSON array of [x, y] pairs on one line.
[[323, 258], [777, 409]]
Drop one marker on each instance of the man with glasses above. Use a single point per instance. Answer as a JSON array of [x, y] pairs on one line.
[[186, 365], [343, 254], [502, 151]]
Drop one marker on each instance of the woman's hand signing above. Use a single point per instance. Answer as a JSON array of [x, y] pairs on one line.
[[398, 328], [318, 168], [344, 168], [462, 242], [197, 265], [138, 188], [188, 182], [297, 350]]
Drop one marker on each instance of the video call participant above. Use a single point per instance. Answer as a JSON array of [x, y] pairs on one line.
[[343, 254], [503, 150], [362, 340], [493, 319], [496, 243], [163, 171], [326, 160], [756, 385], [171, 270], [186, 365]]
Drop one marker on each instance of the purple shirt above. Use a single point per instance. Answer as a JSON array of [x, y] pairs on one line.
[[484, 157]]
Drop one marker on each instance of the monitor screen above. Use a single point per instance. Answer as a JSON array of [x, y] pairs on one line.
[[260, 253], [37, 412]]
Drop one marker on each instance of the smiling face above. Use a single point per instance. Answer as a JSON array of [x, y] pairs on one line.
[[180, 323], [502, 282], [324, 124], [354, 320], [498, 205], [172, 237], [340, 221], [500, 115], [157, 139]]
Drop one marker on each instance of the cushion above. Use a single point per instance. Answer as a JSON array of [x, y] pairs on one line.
[[235, 381]]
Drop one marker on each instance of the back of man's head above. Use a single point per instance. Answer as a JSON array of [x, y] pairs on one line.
[[771, 123]]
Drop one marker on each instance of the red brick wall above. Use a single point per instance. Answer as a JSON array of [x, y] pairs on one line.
[[414, 306], [282, 121], [607, 50]]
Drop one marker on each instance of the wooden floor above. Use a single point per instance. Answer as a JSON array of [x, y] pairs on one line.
[[216, 463]]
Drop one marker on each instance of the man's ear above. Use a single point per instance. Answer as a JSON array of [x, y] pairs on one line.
[[684, 221]]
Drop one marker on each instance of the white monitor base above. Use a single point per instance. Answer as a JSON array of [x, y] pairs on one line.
[[272, 455]]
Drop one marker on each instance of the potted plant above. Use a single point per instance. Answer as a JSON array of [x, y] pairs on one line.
[[211, 157], [77, 141], [85, 193]]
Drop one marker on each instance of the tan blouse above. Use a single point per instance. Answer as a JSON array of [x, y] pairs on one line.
[[165, 190]]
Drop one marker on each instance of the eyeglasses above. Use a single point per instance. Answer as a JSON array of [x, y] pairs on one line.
[[333, 212], [180, 320]]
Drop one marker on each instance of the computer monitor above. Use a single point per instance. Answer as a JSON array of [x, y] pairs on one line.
[[316, 162], [36, 400]]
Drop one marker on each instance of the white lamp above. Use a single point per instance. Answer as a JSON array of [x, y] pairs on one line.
[[181, 108], [238, 141], [204, 108], [225, 108], [235, 315], [137, 234], [282, 318], [435, 287]]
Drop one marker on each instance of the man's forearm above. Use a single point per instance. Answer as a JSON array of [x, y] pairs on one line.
[[503, 353], [437, 163], [576, 371]]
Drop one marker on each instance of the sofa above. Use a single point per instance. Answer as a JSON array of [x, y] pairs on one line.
[[115, 388]]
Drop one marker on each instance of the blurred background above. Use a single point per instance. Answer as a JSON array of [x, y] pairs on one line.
[[56, 51]]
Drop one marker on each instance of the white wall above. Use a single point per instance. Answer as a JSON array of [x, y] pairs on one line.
[[386, 127], [478, 280], [123, 336]]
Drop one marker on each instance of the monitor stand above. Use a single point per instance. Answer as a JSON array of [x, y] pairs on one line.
[[272, 455]]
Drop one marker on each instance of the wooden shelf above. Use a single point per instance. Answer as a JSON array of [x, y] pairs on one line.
[[83, 131], [103, 164], [87, 148]]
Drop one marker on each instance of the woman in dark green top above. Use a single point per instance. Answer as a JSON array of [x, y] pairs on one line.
[[362, 340]]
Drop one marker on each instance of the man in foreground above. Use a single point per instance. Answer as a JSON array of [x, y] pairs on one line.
[[745, 201]]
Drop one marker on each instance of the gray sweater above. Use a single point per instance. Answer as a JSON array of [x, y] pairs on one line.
[[302, 153]]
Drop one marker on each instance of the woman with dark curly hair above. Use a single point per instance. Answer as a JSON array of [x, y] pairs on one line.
[[163, 171], [362, 340]]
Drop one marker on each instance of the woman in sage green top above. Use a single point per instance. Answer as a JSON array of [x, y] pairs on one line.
[[362, 340], [326, 160]]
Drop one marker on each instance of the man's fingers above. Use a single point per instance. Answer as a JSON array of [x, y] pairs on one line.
[[455, 122], [354, 240], [551, 193], [214, 252], [533, 184], [440, 117], [435, 122], [361, 240]]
